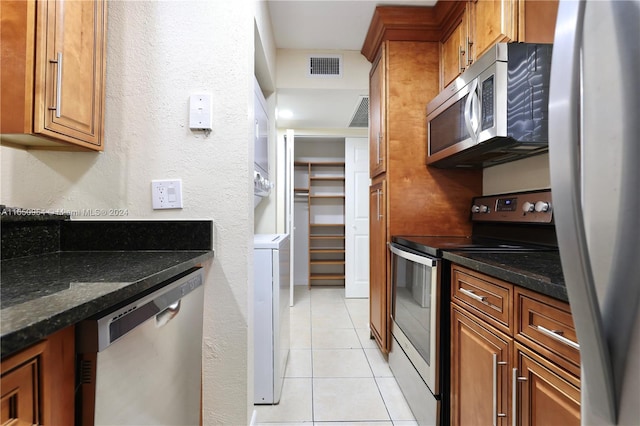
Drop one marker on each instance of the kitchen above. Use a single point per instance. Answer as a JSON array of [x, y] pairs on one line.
[[147, 138]]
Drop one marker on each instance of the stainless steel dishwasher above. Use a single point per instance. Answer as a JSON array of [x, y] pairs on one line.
[[141, 363]]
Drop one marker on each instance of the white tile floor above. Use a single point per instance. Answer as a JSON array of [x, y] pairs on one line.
[[335, 374]]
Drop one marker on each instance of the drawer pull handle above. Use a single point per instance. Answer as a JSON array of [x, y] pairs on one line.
[[496, 364], [556, 336], [472, 295]]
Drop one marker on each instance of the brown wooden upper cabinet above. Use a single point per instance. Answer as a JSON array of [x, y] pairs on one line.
[[456, 44], [471, 27], [407, 197], [53, 74], [377, 145]]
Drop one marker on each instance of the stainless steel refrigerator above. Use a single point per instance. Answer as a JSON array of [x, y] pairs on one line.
[[594, 147]]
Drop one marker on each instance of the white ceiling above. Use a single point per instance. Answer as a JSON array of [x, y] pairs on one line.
[[323, 25]]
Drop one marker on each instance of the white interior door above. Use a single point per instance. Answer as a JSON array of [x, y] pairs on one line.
[[290, 223], [357, 217]]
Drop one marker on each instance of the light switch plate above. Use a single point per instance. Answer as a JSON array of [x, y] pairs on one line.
[[166, 194], [200, 111]]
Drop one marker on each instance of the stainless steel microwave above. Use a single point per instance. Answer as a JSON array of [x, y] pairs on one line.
[[494, 112]]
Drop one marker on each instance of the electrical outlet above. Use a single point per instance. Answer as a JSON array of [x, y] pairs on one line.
[[166, 194]]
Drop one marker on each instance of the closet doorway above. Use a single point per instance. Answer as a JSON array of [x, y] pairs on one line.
[[330, 213]]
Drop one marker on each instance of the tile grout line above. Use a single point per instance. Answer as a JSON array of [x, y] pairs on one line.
[[313, 411]]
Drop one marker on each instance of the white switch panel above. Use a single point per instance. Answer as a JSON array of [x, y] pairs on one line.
[[200, 111], [166, 194]]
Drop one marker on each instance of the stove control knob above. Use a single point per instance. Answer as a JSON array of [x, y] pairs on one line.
[[542, 206], [475, 209], [484, 209], [527, 207]]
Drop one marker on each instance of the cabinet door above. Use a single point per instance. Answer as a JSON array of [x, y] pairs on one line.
[[545, 393], [72, 69], [494, 21], [378, 291], [537, 20], [20, 394], [454, 53], [377, 127], [453, 56], [480, 367]]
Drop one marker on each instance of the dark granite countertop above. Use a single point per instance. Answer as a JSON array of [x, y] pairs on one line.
[[56, 272], [45, 293], [539, 271]]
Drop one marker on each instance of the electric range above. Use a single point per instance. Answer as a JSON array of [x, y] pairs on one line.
[[420, 277]]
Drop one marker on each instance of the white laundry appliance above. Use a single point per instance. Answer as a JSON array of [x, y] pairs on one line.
[[271, 315]]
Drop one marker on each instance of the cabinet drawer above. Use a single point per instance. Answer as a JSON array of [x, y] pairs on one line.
[[487, 297], [546, 325]]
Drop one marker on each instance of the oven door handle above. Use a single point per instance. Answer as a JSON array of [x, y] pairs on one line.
[[398, 250]]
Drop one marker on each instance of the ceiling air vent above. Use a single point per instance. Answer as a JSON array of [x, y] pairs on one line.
[[325, 66], [360, 116]]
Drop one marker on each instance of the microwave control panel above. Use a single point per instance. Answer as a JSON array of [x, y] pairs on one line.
[[522, 207]]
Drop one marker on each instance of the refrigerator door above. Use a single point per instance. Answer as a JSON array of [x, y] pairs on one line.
[[594, 110]]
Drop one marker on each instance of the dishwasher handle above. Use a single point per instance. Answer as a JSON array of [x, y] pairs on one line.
[[168, 314], [163, 305]]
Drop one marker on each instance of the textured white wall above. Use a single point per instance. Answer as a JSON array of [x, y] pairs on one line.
[[160, 52]]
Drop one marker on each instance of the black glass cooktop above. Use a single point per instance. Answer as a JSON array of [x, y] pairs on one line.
[[435, 245]]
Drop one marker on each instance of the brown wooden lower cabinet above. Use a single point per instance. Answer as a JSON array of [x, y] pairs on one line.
[[378, 289], [480, 357], [529, 376], [20, 391], [38, 383], [545, 393]]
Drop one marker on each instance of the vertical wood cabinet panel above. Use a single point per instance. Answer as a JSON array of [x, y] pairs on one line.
[[378, 289], [53, 68]]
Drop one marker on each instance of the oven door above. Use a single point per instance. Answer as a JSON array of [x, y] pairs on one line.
[[416, 310]]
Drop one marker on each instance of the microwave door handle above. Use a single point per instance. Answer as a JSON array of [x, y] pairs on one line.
[[468, 118], [475, 110]]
